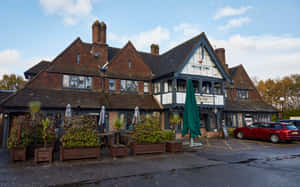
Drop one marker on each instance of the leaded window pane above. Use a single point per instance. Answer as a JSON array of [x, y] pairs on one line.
[[123, 85], [66, 81], [146, 87], [111, 85]]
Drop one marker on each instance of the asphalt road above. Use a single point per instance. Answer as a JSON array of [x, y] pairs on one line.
[[240, 163], [224, 163]]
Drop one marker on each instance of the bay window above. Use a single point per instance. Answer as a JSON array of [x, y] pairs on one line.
[[75, 81], [129, 86]]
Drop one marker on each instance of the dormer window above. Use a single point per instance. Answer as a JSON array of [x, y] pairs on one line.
[[242, 94], [129, 66], [96, 54], [78, 58]]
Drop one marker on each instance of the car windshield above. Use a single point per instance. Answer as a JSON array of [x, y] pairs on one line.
[[291, 127]]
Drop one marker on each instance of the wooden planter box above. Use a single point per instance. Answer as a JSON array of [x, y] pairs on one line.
[[43, 154], [174, 146], [17, 154], [79, 153], [118, 150], [148, 148]]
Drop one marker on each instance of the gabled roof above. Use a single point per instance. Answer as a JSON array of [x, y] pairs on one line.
[[241, 78], [42, 65], [118, 66], [86, 99], [248, 106]]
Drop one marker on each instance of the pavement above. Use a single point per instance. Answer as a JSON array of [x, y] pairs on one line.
[[218, 162]]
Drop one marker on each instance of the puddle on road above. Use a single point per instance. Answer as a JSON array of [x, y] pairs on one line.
[[245, 161]]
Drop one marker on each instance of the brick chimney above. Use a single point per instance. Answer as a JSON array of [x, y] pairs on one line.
[[155, 49], [99, 32], [99, 46], [220, 52]]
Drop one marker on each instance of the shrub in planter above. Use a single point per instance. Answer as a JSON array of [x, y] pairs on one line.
[[148, 138], [80, 142], [171, 144], [48, 137], [118, 149], [17, 142]]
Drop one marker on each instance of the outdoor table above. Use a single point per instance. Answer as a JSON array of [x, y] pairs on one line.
[[108, 138]]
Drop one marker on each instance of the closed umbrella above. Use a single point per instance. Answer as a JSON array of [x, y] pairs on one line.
[[191, 120], [68, 112], [101, 122], [136, 117]]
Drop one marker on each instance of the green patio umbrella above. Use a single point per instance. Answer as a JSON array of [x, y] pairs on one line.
[[191, 120]]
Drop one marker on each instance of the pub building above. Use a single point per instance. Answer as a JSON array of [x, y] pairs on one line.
[[90, 75]]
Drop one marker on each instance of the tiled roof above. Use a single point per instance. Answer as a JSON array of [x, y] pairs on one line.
[[241, 78], [36, 68], [84, 98], [248, 106]]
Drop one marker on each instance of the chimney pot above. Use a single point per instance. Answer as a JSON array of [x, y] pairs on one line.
[[154, 49], [99, 32]]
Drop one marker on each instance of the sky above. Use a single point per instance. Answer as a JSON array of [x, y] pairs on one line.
[[264, 36]]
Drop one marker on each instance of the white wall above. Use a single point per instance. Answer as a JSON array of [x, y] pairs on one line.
[[206, 68]]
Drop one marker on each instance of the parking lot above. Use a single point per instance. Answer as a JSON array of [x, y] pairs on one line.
[[233, 144]]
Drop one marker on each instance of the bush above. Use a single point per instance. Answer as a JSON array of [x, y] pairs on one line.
[[38, 131], [169, 135], [25, 137], [148, 131], [80, 136], [230, 131]]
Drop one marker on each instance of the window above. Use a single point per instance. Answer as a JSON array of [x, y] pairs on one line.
[[129, 66], [225, 93], [78, 58], [276, 126], [129, 86], [242, 94], [146, 87], [181, 85], [255, 125], [111, 85], [206, 87], [74, 81], [265, 125], [157, 87], [291, 127], [168, 86], [126, 118], [196, 86], [217, 88]]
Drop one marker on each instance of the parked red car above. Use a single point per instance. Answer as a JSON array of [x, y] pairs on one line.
[[273, 131]]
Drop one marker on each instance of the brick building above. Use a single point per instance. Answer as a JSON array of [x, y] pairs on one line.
[[89, 75]]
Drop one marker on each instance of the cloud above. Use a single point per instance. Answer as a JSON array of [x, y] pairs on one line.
[[189, 30], [11, 61], [143, 40], [229, 11], [238, 22], [71, 11], [263, 56]]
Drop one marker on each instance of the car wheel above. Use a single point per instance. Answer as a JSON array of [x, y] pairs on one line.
[[240, 135], [274, 138]]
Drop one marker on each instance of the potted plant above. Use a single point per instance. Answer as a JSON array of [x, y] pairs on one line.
[[148, 138], [18, 142], [171, 144], [80, 142], [45, 153], [175, 119], [118, 149]]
